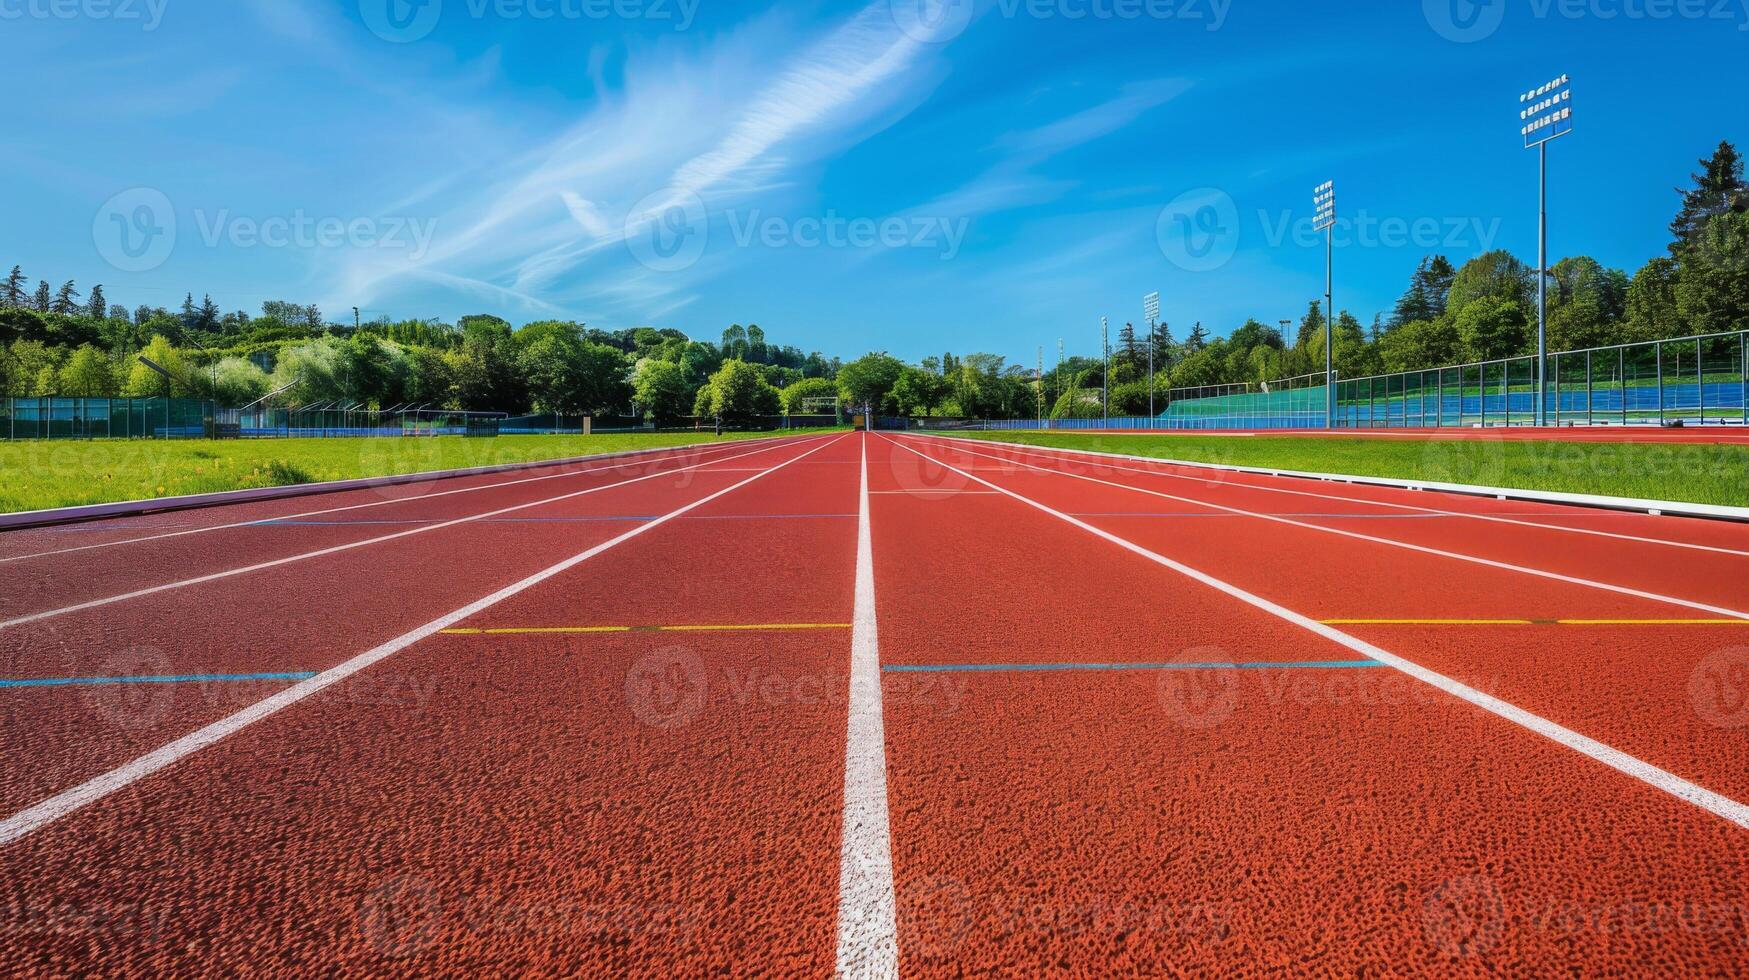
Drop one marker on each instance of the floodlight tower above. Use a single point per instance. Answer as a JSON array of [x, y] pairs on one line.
[[1324, 200], [1151, 306], [1546, 113], [1105, 381]]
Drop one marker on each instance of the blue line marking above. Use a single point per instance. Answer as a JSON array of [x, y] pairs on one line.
[[1029, 668], [173, 679]]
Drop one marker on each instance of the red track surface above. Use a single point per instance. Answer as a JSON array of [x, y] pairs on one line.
[[525, 793]]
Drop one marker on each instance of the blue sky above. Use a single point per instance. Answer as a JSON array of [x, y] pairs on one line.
[[851, 176]]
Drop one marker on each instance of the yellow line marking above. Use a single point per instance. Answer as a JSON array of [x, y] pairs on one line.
[[580, 630], [1655, 622]]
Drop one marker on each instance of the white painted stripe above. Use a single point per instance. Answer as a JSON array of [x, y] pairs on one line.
[[55, 807], [1706, 799], [336, 549], [868, 941], [620, 463], [1391, 542], [1627, 504], [1045, 452]]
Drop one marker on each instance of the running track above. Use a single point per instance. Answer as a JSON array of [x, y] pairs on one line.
[[876, 704]]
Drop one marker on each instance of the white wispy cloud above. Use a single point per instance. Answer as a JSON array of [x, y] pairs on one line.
[[718, 127]]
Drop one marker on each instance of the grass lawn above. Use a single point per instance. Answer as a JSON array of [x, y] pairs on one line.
[[43, 474], [1689, 473]]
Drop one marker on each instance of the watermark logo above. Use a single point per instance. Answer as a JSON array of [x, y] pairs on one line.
[[135, 231], [400, 917], [401, 21], [305, 231], [147, 13], [832, 230], [129, 699], [667, 689], [1199, 230], [932, 21], [666, 233], [1199, 693], [1464, 917], [1719, 688], [1464, 21]]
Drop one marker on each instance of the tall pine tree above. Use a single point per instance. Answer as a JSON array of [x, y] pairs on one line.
[[12, 292], [1718, 189]]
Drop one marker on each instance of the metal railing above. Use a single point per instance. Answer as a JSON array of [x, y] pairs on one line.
[[1700, 380]]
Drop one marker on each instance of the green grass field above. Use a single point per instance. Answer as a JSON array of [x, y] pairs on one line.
[[39, 475], [1688, 473]]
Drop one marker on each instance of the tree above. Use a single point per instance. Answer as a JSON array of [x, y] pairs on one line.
[[739, 392], [1426, 296], [734, 341], [1652, 313], [868, 380], [1586, 304], [918, 392], [188, 311], [1718, 189], [661, 390], [1492, 329], [239, 382], [797, 396], [12, 292], [1129, 349], [1419, 345], [1496, 276], [87, 374], [143, 382], [1712, 292], [66, 300], [44, 297], [206, 316], [1198, 339], [96, 306]]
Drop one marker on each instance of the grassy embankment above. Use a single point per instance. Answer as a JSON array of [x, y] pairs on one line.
[[1678, 472]]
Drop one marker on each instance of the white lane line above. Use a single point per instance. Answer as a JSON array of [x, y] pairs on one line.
[[55, 807], [1491, 518], [1714, 803], [1391, 542], [868, 941], [336, 549], [654, 457]]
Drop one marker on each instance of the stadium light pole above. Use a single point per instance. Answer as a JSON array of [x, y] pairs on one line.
[[1545, 114], [1151, 306], [1324, 198], [1105, 379]]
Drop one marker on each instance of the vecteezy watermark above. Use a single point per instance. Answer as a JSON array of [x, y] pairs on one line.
[[135, 231], [940, 21], [668, 688], [147, 13], [1469, 21], [1464, 917], [305, 231], [942, 235], [1719, 688], [1201, 230], [669, 233], [406, 21]]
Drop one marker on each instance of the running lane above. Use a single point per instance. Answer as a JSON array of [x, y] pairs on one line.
[[1654, 677], [217, 638], [1238, 799], [50, 567], [631, 767]]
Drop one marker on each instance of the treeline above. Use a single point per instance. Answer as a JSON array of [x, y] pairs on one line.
[[54, 342]]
